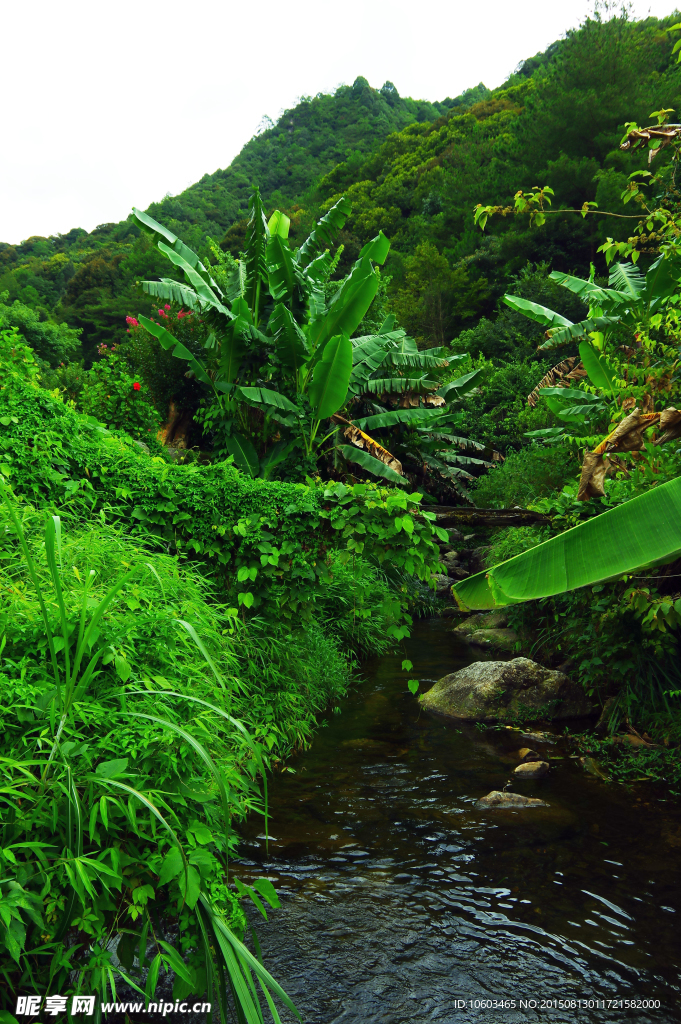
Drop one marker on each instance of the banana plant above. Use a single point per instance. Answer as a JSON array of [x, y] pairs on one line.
[[274, 320], [394, 387], [642, 533]]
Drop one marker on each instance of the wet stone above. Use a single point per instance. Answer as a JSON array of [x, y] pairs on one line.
[[531, 770], [496, 800]]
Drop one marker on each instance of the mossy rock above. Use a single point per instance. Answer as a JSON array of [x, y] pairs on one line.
[[506, 691]]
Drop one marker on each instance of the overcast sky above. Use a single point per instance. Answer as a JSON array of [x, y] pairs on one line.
[[113, 105]]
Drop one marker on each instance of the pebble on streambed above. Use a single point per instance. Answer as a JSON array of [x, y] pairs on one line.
[[531, 769]]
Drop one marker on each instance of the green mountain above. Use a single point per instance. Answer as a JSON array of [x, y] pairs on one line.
[[412, 168]]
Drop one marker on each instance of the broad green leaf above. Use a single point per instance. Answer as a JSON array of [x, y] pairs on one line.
[[640, 534], [289, 341], [168, 290], [597, 367], [275, 456], [329, 387], [540, 314], [110, 769], [245, 455], [565, 335], [349, 305], [377, 249], [587, 290], [255, 255], [280, 268], [325, 232], [462, 385], [627, 278], [662, 280], [395, 416], [158, 232], [278, 225], [265, 396], [370, 464], [398, 385]]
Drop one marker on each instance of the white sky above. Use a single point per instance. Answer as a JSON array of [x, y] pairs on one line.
[[113, 105]]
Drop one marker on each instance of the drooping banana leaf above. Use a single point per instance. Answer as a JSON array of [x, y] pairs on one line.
[[203, 289], [416, 360], [324, 233], [257, 234], [171, 344], [265, 396], [172, 291], [588, 291], [160, 233], [245, 455], [565, 335], [370, 464], [289, 341], [640, 534], [462, 385], [627, 278], [329, 387], [540, 314], [391, 419], [399, 385]]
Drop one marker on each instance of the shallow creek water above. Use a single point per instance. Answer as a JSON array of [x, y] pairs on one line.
[[400, 898]]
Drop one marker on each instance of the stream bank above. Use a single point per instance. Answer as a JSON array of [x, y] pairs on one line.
[[399, 897]]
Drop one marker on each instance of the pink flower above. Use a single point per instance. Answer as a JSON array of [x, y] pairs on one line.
[[166, 306], [132, 321], [162, 312]]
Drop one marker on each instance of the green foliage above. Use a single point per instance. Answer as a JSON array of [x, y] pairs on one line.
[[269, 542], [524, 477], [52, 342], [116, 815]]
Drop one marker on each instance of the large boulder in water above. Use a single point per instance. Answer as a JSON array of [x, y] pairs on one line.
[[505, 691]]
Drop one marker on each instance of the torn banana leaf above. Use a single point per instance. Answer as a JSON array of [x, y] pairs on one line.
[[640, 534]]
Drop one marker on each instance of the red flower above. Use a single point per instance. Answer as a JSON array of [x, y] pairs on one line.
[[136, 386], [132, 321], [162, 312], [166, 306]]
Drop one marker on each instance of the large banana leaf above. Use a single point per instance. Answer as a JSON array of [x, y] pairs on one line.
[[245, 455], [416, 360], [640, 534], [289, 341], [540, 314], [265, 396], [203, 289], [349, 304], [627, 278], [377, 249], [158, 233], [462, 385], [169, 343], [399, 385], [324, 233], [598, 368], [391, 419], [371, 464], [257, 234], [590, 292], [279, 258], [329, 387], [662, 280], [172, 291], [565, 335]]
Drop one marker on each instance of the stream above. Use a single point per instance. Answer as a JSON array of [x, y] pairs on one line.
[[403, 903]]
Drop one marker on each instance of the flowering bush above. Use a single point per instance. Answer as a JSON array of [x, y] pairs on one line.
[[117, 397]]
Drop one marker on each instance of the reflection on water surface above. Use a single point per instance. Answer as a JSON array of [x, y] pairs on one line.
[[399, 897]]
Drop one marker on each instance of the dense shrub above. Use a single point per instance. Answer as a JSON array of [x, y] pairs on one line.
[[526, 476]]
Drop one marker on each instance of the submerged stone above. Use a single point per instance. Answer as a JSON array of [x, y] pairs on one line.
[[496, 800], [496, 639], [531, 769], [502, 691]]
